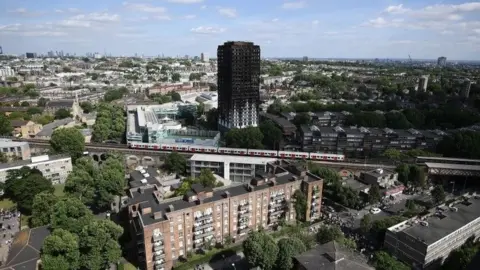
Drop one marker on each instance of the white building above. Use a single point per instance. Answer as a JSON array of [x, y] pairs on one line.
[[6, 72], [15, 149], [55, 168], [233, 168], [204, 57]]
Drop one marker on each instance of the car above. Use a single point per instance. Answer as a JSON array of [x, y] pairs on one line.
[[375, 210]]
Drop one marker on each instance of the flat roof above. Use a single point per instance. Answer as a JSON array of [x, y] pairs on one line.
[[453, 166], [232, 159], [439, 228], [21, 163], [10, 143], [452, 159]]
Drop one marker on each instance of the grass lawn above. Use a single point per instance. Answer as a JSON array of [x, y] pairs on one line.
[[126, 266], [6, 204], [59, 190]]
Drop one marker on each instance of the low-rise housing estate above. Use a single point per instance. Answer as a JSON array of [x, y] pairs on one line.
[[56, 168]]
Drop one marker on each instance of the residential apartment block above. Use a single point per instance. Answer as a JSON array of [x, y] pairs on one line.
[[19, 150], [233, 168], [166, 230], [359, 141], [56, 168], [425, 242]]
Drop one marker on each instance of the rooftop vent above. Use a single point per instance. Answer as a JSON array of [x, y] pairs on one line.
[[424, 223], [171, 208], [379, 171], [454, 209], [144, 181]]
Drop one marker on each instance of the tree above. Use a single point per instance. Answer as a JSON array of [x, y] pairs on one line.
[[23, 184], [81, 184], [272, 135], [87, 107], [24, 104], [366, 223], [393, 154], [175, 96], [176, 77], [110, 183], [462, 257], [42, 102], [403, 171], [175, 163], [302, 119], [374, 194], [206, 178], [438, 194], [62, 114], [42, 208], [70, 214], [260, 250], [5, 126], [417, 176], [287, 249], [250, 137], [60, 247], [68, 141], [464, 144], [34, 110], [300, 205], [383, 261], [99, 244], [397, 120], [3, 157], [326, 234]]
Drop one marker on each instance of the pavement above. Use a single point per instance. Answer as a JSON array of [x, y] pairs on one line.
[[233, 262], [9, 228]]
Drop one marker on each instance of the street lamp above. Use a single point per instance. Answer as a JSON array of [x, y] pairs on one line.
[[233, 265]]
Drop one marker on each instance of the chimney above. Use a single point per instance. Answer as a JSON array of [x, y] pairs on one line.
[[171, 208], [226, 194], [157, 215], [141, 190], [146, 210]]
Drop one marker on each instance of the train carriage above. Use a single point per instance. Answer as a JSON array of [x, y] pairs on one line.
[[202, 149], [232, 151], [294, 155], [262, 153]]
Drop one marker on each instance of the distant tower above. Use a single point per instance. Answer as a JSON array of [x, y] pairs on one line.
[[305, 59], [204, 57], [238, 83], [1, 51], [442, 61], [423, 83]]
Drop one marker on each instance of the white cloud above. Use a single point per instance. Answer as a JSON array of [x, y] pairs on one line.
[[24, 12], [315, 22], [141, 7], [185, 1], [162, 17], [275, 20], [58, 11], [294, 5], [18, 11], [399, 9], [227, 12], [207, 30], [73, 10], [189, 17], [97, 17]]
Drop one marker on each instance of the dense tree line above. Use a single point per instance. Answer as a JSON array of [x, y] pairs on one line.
[[110, 123], [462, 144], [267, 135], [115, 94], [68, 141], [79, 240], [96, 186]]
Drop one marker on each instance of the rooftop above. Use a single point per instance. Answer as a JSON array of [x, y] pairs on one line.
[[48, 129], [331, 256], [10, 143], [25, 249], [33, 160], [452, 166], [232, 159], [442, 223], [146, 196]]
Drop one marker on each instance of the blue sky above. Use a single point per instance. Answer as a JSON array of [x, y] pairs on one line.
[[425, 29]]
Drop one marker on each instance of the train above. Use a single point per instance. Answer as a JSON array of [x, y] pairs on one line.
[[237, 151]]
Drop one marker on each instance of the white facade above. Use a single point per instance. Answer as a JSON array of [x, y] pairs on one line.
[[7, 72], [55, 168]]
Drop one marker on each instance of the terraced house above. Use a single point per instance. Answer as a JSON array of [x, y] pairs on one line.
[[166, 230]]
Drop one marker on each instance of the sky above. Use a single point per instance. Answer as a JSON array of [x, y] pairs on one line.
[[423, 29]]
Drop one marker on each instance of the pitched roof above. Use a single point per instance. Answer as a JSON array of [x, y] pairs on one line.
[[18, 123], [331, 256], [25, 250]]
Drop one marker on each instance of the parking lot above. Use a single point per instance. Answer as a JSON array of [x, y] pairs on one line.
[[10, 222]]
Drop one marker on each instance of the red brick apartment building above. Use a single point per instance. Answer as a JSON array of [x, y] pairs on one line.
[[165, 230]]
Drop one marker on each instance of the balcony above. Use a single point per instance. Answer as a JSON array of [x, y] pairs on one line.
[[243, 207], [158, 256], [203, 226], [276, 212], [244, 214], [279, 196], [160, 262], [202, 235], [243, 231], [158, 267], [157, 237], [204, 217]]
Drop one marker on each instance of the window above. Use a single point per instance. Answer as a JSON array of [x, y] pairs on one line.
[[180, 227]]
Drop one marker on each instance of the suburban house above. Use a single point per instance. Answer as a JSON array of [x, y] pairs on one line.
[[25, 129]]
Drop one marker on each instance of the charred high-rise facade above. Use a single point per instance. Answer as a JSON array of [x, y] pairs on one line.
[[238, 84]]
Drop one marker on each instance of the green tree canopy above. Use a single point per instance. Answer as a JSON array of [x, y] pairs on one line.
[[326, 234], [70, 214], [272, 135], [287, 249], [374, 194], [42, 208], [260, 250], [5, 126], [383, 261], [463, 144], [438, 194], [250, 137], [175, 163], [59, 248], [23, 184], [68, 141], [300, 205], [62, 114]]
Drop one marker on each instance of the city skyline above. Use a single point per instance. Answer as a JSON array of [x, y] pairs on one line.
[[327, 29]]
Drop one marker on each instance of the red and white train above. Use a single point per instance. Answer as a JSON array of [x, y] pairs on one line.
[[237, 151]]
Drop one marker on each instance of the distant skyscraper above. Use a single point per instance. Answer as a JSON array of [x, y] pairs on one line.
[[204, 57], [238, 84], [30, 55], [423, 83], [442, 61], [467, 84], [305, 59]]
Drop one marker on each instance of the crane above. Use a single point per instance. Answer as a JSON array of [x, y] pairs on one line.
[[410, 58]]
